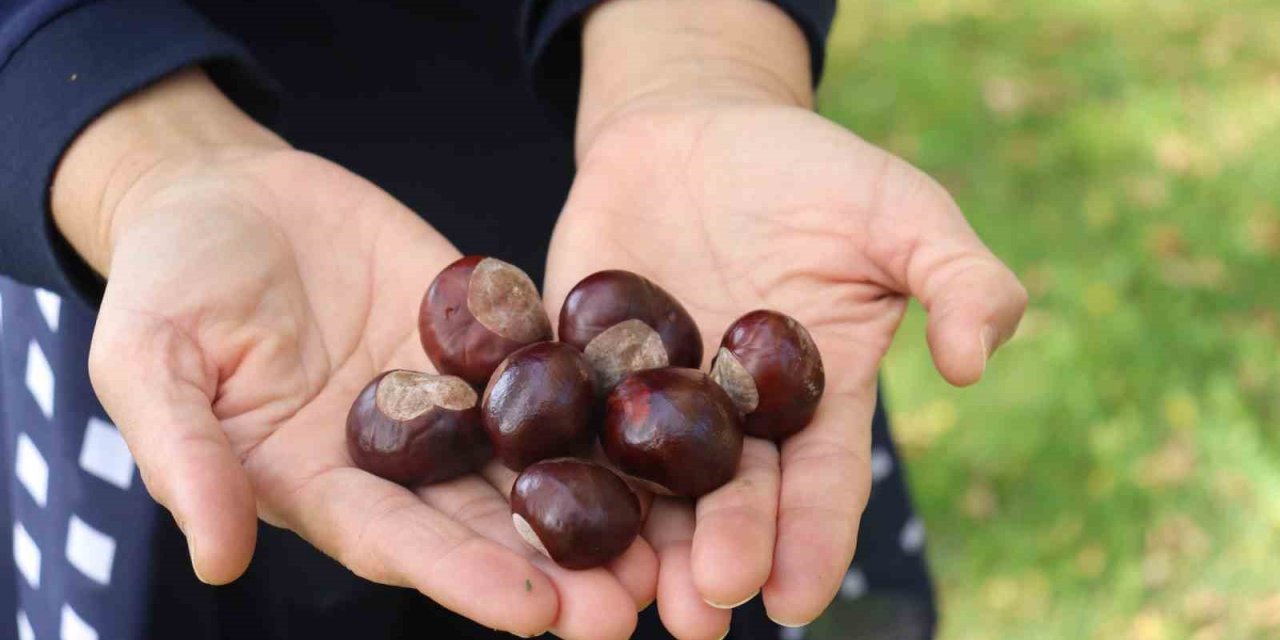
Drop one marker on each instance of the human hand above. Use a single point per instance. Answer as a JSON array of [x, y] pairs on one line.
[[731, 194], [252, 291]]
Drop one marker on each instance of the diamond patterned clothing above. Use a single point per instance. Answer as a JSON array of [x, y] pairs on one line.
[[78, 517]]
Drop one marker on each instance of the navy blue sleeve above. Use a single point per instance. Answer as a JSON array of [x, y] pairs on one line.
[[63, 62], [552, 44]]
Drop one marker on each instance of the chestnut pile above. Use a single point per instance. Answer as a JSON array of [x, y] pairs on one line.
[[624, 374]]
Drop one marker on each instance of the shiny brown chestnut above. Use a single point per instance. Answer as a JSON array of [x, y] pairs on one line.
[[539, 404], [770, 366], [475, 313], [623, 322], [578, 513], [416, 428], [673, 429]]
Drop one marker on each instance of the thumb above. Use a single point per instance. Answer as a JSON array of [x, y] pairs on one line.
[[974, 303], [153, 381]]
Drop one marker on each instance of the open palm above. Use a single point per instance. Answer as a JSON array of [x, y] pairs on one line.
[[733, 208], [249, 300]]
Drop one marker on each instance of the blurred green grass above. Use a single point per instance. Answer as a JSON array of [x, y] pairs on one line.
[[1117, 473]]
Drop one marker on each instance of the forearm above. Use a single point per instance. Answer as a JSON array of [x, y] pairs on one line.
[[635, 50], [184, 116]]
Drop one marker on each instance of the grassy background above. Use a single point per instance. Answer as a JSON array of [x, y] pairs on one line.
[[1117, 475]]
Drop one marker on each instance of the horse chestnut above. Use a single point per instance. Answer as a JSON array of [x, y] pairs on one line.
[[416, 428], [622, 323], [577, 513], [475, 313], [771, 368], [673, 429], [539, 404]]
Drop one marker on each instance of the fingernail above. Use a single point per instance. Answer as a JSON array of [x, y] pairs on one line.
[[990, 339], [191, 550], [726, 634], [789, 625], [734, 605], [538, 634]]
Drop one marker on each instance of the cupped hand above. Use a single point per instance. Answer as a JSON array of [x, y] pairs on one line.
[[733, 206], [250, 297]]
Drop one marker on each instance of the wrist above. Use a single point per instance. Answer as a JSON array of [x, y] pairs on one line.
[[641, 54], [180, 119]]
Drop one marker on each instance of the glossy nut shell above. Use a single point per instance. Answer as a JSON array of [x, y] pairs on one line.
[[416, 428], [539, 404], [578, 513], [624, 323], [674, 429], [770, 366], [476, 312]]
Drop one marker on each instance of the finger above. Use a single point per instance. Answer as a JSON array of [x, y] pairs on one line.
[[636, 569], [384, 533], [974, 301], [592, 603], [149, 378], [825, 485], [680, 606], [733, 543]]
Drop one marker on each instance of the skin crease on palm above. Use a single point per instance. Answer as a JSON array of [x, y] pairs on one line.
[[253, 290]]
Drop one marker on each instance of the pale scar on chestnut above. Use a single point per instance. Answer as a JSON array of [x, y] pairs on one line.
[[527, 532], [416, 428], [773, 356], [405, 395], [630, 345], [736, 381], [578, 513], [506, 302]]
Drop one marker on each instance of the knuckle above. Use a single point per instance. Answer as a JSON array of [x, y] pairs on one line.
[[918, 189], [102, 352], [157, 487], [825, 451], [759, 456], [361, 552], [861, 494], [478, 510], [1021, 298]]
